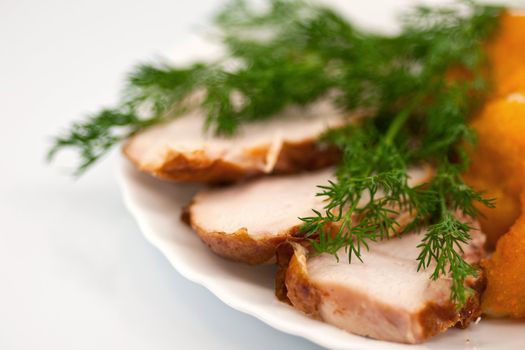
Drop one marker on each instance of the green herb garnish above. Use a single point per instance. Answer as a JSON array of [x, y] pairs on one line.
[[419, 87]]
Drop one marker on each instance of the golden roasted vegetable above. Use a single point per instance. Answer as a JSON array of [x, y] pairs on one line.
[[498, 167], [498, 162], [505, 270]]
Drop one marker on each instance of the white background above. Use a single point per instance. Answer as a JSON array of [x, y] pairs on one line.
[[75, 272]]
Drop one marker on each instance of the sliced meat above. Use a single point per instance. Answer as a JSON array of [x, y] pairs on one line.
[[247, 222], [182, 150], [385, 297]]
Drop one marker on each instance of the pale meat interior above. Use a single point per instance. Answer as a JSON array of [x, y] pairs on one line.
[[264, 207], [269, 206], [186, 135], [388, 272], [385, 296]]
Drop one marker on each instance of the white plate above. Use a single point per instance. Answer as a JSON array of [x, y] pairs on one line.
[[156, 205]]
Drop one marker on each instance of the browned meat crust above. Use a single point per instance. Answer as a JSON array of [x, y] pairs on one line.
[[293, 157], [291, 281], [240, 247]]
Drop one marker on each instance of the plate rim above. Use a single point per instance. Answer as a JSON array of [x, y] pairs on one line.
[[123, 170]]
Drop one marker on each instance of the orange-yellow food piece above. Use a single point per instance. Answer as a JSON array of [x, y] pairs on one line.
[[498, 167], [500, 153], [498, 220], [505, 294], [513, 84], [498, 162], [507, 51]]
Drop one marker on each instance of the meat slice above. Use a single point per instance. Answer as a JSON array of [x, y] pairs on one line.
[[384, 297], [182, 150], [247, 222]]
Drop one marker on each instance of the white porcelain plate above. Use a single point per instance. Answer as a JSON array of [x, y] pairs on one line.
[[156, 205]]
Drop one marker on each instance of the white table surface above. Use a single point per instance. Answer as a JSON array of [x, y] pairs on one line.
[[75, 272]]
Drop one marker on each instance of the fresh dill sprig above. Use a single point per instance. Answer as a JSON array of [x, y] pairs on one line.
[[269, 76], [418, 86], [422, 97]]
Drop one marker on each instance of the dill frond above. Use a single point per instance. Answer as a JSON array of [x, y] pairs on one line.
[[418, 113]]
